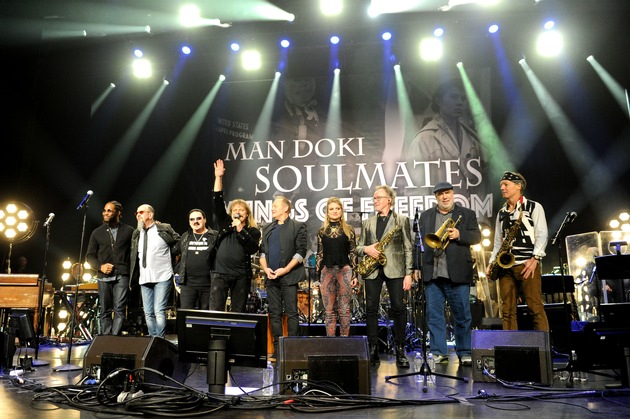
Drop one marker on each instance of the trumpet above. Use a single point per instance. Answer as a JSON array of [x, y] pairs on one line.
[[439, 239]]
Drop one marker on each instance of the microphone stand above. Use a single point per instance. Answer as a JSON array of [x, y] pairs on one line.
[[68, 366], [40, 303], [556, 241]]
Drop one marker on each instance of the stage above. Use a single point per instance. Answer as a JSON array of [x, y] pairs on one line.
[[400, 397]]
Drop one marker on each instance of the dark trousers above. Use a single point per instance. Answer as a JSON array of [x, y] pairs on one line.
[[238, 286], [282, 298], [112, 297], [192, 296], [372, 304]]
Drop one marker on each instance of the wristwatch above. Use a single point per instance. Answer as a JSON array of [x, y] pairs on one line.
[[538, 258]]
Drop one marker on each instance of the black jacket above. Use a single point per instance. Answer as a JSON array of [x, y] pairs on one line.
[[181, 248], [101, 249], [458, 256], [249, 237]]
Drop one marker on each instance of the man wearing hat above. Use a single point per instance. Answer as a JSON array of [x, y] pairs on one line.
[[528, 248], [447, 272]]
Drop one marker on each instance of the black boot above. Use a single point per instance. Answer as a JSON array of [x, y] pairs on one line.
[[374, 359], [401, 357]]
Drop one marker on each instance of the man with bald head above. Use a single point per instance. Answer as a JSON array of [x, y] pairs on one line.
[[151, 254]]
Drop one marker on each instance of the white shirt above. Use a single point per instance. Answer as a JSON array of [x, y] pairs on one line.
[[159, 267]]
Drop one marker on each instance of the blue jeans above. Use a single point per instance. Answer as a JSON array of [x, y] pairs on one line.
[[437, 292], [154, 301], [112, 297]]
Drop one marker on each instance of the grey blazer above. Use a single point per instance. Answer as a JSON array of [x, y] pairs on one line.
[[399, 251]]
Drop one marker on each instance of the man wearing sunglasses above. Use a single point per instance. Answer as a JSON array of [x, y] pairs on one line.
[[152, 255], [108, 252], [195, 247]]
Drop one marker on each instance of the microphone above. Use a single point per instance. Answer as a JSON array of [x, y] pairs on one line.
[[415, 221], [49, 219], [85, 199], [237, 216], [571, 216]]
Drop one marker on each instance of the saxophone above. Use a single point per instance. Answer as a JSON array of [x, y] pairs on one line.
[[368, 264], [505, 259]]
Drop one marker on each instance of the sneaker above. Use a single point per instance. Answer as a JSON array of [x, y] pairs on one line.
[[466, 360], [441, 359]]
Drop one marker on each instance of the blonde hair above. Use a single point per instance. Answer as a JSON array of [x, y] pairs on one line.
[[285, 201], [325, 229], [250, 217]]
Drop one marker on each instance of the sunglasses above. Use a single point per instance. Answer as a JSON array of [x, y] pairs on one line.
[[140, 212], [195, 219]]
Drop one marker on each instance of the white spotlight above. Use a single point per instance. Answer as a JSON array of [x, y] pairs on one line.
[[189, 15], [142, 68], [251, 60], [331, 7], [431, 49], [549, 44]]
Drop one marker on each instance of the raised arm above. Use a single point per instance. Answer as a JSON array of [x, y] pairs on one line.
[[219, 170]]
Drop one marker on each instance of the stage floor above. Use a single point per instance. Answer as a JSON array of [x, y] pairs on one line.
[[398, 397]]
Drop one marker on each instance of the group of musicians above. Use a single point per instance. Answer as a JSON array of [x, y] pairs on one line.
[[210, 264]]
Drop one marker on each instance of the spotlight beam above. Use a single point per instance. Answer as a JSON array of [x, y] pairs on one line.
[[160, 181], [618, 92]]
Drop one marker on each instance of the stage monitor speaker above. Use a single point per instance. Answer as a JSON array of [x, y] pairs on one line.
[[305, 361], [512, 355], [559, 323], [107, 353]]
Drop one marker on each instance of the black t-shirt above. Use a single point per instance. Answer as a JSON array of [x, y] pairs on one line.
[[231, 258], [197, 268]]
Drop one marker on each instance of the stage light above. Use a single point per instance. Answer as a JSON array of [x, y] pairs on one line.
[[550, 24], [138, 53], [336, 71], [112, 85], [142, 68], [165, 82], [251, 60], [494, 28], [386, 36], [334, 39], [189, 15], [431, 49], [285, 43], [221, 77], [331, 7], [437, 32], [235, 46], [17, 225], [186, 50], [549, 43]]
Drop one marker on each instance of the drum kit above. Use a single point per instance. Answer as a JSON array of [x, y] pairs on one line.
[[310, 305]]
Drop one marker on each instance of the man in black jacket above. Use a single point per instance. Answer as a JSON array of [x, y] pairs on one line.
[[108, 251], [282, 253], [447, 272], [195, 247], [237, 242], [152, 257]]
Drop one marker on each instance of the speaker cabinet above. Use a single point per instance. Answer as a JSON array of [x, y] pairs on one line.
[[106, 353], [559, 317], [306, 360], [512, 355]]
